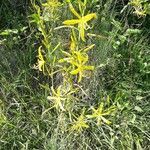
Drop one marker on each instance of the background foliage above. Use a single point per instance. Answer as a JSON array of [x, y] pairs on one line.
[[121, 57]]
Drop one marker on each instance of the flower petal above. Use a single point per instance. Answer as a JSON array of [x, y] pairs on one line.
[[74, 72], [74, 11], [71, 22], [89, 17], [88, 48], [88, 67], [81, 31], [80, 77]]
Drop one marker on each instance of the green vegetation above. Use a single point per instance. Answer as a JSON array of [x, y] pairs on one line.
[[74, 74]]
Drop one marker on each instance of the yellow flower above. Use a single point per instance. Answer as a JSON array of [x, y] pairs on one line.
[[81, 21], [50, 11], [60, 95], [140, 12], [137, 5], [41, 61], [57, 98], [79, 124], [99, 114], [52, 3], [78, 60], [79, 63]]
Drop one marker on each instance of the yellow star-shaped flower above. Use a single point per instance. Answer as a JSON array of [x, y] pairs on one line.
[[80, 64], [99, 114], [78, 60], [79, 124], [57, 98], [81, 21]]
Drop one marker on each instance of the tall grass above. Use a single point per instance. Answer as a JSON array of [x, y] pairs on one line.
[[120, 79]]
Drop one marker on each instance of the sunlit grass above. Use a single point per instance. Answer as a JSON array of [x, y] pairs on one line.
[[62, 89]]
